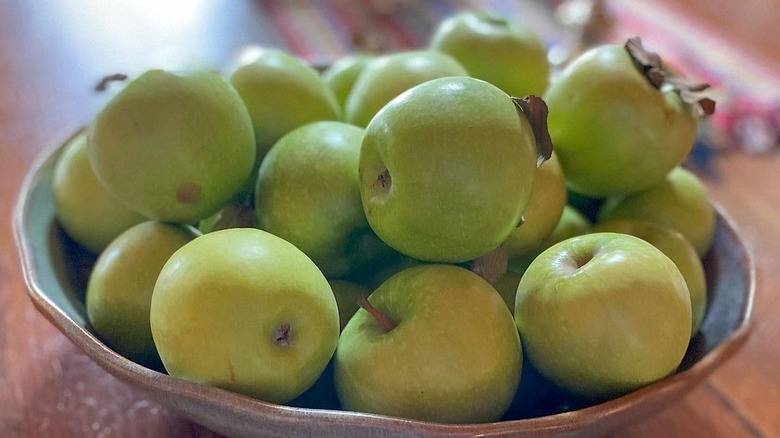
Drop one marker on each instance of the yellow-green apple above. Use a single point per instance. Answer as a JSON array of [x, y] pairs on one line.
[[446, 169], [281, 92], [244, 310], [387, 76], [678, 249], [307, 193], [572, 223], [120, 286], [544, 209], [496, 49], [433, 343], [603, 314], [680, 201], [87, 212], [342, 74], [174, 146], [618, 122]]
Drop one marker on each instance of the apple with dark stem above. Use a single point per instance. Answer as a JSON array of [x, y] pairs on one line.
[[446, 168], [433, 343]]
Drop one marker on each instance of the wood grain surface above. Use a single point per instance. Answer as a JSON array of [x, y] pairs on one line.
[[53, 53]]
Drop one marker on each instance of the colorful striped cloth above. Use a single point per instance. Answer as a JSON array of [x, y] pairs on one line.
[[747, 90]]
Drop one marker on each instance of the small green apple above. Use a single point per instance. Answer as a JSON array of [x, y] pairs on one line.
[[572, 223], [615, 130], [496, 49], [173, 146], [307, 193], [387, 76], [452, 353], [281, 92], [342, 74], [446, 169], [603, 314], [678, 249], [544, 209], [120, 286], [680, 201], [88, 213], [244, 310]]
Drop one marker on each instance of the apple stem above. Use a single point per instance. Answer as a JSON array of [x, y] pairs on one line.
[[103, 84], [534, 109], [383, 319], [651, 66]]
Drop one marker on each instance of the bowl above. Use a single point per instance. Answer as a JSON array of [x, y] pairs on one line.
[[56, 270]]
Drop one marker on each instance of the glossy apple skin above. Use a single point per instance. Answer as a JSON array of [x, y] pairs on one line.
[[495, 49], [281, 92], [120, 286], [461, 163], [90, 215], [613, 131], [544, 209], [387, 76], [603, 314], [221, 302], [572, 223], [454, 357], [679, 249], [680, 201], [173, 146], [340, 76], [307, 193]]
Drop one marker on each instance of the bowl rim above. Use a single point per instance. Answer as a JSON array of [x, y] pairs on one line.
[[154, 382]]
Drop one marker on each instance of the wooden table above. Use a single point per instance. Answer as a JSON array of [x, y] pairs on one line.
[[53, 53]]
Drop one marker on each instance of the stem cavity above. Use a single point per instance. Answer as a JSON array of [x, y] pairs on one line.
[[383, 319]]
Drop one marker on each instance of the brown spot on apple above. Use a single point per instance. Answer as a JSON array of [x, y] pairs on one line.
[[282, 335], [188, 193], [384, 180]]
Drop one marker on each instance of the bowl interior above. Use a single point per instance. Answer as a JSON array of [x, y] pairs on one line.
[[56, 270]]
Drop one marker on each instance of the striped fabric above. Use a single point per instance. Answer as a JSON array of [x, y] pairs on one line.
[[747, 90]]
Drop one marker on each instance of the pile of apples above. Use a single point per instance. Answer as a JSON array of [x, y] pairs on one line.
[[423, 221]]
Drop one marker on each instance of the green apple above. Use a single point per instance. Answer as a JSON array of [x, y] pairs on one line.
[[244, 310], [342, 74], [544, 209], [120, 286], [615, 132], [446, 169], [680, 201], [447, 350], [173, 146], [387, 76], [282, 92], [678, 249], [348, 295], [572, 223], [307, 193], [603, 314], [496, 49], [87, 212]]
